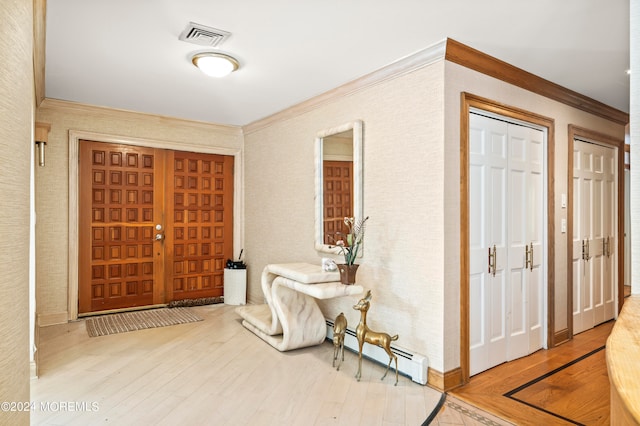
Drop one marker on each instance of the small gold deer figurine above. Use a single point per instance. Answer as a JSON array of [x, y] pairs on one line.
[[339, 329], [364, 334]]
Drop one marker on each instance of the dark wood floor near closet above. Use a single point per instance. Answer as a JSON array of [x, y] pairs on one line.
[[562, 386]]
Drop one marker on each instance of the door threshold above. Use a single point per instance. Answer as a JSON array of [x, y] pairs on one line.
[[115, 311]]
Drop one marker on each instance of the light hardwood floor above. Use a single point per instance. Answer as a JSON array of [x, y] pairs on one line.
[[562, 386], [213, 372]]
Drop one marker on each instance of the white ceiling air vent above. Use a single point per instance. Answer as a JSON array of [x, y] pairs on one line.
[[203, 35]]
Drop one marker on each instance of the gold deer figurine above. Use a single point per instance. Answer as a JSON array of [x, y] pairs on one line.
[[339, 329], [364, 334]]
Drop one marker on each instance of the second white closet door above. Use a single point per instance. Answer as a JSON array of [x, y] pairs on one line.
[[525, 236], [594, 230], [506, 212]]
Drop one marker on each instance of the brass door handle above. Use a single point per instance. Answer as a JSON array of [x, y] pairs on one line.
[[528, 257], [606, 247], [492, 261], [585, 250], [588, 255]]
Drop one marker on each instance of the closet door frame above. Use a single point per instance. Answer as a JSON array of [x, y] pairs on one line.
[[576, 132], [469, 102], [74, 148]]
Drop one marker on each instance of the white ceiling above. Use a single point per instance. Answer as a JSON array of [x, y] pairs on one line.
[[126, 54]]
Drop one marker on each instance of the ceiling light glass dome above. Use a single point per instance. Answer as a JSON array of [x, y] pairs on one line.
[[215, 64]]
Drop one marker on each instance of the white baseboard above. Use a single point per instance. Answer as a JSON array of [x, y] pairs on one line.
[[33, 370], [410, 364]]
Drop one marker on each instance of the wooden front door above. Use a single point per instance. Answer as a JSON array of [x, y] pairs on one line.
[[199, 223], [155, 225]]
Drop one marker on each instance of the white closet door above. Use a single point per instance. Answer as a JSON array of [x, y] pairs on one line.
[[627, 228], [525, 233], [487, 224], [536, 223], [594, 216], [606, 304], [582, 201], [506, 163]]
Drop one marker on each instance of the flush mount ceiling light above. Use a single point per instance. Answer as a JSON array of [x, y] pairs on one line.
[[215, 64]]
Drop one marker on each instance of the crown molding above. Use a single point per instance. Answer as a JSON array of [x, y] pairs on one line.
[[474, 59], [456, 52], [114, 113], [396, 69]]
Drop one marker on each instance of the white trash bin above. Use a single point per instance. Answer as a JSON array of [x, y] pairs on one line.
[[235, 286]]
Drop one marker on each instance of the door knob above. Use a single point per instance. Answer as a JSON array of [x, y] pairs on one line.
[[159, 234]]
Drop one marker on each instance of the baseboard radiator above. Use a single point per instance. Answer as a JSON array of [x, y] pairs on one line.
[[410, 364]]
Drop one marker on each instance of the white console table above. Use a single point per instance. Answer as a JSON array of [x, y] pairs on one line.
[[291, 317]]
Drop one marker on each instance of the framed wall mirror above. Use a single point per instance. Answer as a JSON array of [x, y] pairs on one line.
[[338, 186]]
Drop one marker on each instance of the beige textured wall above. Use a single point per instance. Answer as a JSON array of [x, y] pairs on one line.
[[16, 124], [403, 190], [411, 193], [460, 79], [52, 181]]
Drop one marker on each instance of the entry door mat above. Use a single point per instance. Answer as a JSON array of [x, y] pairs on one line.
[[138, 320], [466, 414], [196, 302], [573, 392]]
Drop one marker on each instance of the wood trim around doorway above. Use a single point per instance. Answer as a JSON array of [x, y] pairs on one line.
[[74, 148], [590, 135], [467, 102]]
